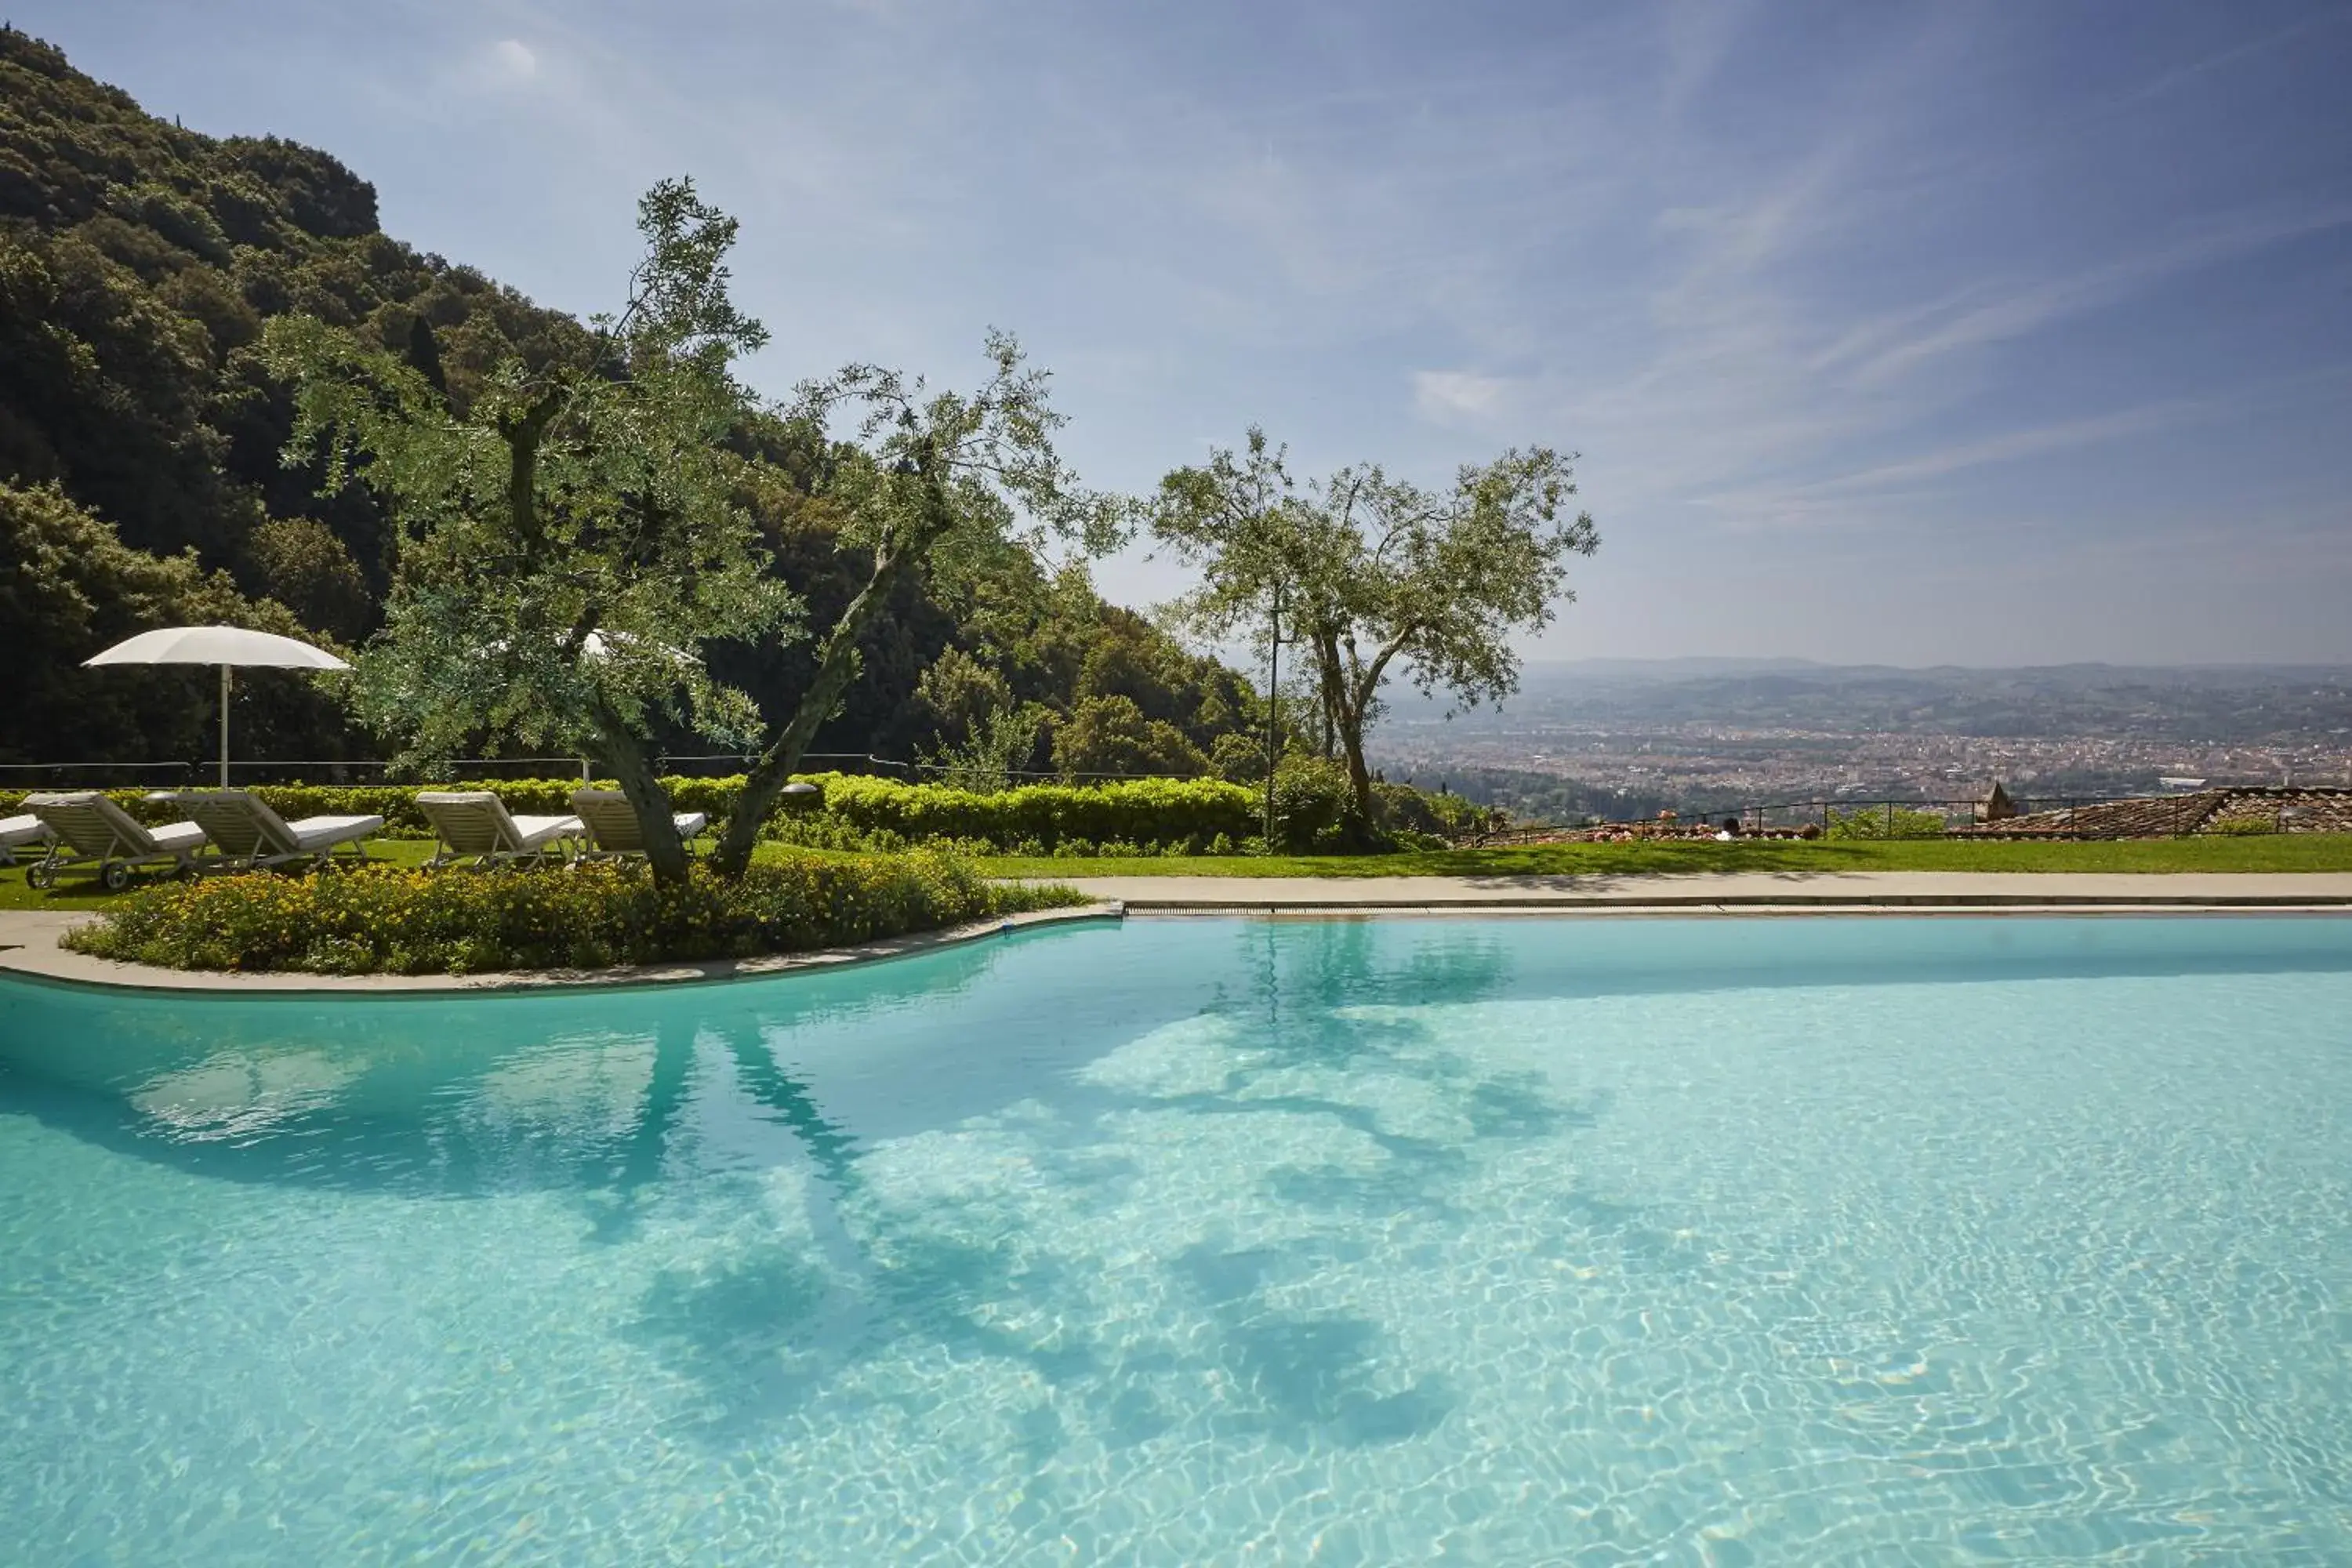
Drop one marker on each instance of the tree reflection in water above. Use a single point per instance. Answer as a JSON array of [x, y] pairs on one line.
[[671, 1105]]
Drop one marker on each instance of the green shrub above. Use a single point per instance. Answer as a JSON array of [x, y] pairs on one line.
[[1310, 813], [1310, 806], [1878, 822], [2242, 826], [414, 923], [1447, 817]]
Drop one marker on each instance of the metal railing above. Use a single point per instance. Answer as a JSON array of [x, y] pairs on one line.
[[361, 770]]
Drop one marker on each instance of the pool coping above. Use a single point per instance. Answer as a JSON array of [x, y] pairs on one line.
[[1532, 910], [29, 951], [1723, 893]]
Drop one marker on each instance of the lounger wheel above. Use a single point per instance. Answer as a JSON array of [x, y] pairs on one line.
[[41, 876], [116, 876]]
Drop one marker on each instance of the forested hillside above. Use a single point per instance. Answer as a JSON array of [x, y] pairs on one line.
[[141, 480]]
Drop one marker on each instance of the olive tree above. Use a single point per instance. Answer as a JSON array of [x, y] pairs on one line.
[[569, 541], [943, 481], [1378, 575]]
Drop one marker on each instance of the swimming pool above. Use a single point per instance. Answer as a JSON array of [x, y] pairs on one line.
[[1187, 1241]]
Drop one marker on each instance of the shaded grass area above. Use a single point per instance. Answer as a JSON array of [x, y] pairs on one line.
[[2268, 852]]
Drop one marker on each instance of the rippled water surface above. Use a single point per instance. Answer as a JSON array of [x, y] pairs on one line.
[[1522, 1241]]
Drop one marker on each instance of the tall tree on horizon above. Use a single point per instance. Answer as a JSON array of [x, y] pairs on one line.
[[1379, 575]]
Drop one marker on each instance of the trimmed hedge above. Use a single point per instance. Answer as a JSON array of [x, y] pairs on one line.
[[377, 920], [1144, 812], [1190, 816]]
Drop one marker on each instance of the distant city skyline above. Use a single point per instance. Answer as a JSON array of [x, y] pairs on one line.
[[1904, 334]]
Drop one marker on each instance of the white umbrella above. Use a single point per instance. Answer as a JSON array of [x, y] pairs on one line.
[[223, 645]]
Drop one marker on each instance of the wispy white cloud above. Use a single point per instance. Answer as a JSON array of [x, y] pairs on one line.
[[1450, 396], [2008, 446], [2177, 77], [1964, 325], [1699, 36], [513, 59]]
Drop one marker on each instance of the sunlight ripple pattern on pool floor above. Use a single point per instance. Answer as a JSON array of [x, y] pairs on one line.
[[1520, 1241]]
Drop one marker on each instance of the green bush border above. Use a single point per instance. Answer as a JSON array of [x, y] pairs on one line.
[[379, 920]]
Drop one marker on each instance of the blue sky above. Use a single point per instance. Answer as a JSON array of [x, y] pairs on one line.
[[1982, 333]]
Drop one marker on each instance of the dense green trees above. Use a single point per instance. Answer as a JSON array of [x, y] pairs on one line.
[[68, 587]]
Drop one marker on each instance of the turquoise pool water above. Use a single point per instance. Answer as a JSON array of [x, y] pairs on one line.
[[1524, 1241]]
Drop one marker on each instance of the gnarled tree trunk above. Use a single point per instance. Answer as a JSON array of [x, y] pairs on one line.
[[626, 755], [835, 668]]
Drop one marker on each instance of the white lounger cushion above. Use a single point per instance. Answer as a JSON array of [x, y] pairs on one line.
[[613, 826], [246, 827], [180, 837], [95, 826], [475, 822], [320, 832], [535, 831], [16, 831]]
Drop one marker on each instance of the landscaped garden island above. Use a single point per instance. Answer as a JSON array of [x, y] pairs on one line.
[[850, 859]]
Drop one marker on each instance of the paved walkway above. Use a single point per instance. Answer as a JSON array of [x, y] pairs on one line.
[[1751, 890]]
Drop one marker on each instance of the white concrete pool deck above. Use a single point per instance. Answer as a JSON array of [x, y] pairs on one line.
[[1741, 892], [29, 938]]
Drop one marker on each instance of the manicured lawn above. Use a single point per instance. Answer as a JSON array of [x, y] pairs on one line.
[[77, 889], [2267, 852]]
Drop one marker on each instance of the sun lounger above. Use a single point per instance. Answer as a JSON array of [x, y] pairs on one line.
[[247, 834], [24, 832], [613, 827], [92, 830], [474, 822]]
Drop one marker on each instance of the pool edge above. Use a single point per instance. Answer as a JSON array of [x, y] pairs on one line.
[[38, 959]]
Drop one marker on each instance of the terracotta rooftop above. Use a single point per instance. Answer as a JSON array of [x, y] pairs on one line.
[[2275, 808]]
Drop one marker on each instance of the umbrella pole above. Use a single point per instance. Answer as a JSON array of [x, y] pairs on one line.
[[224, 770]]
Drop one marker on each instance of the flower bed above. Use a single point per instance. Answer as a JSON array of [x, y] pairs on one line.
[[378, 919]]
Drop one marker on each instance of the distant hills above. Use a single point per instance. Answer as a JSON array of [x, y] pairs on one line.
[[2216, 703], [2093, 674]]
